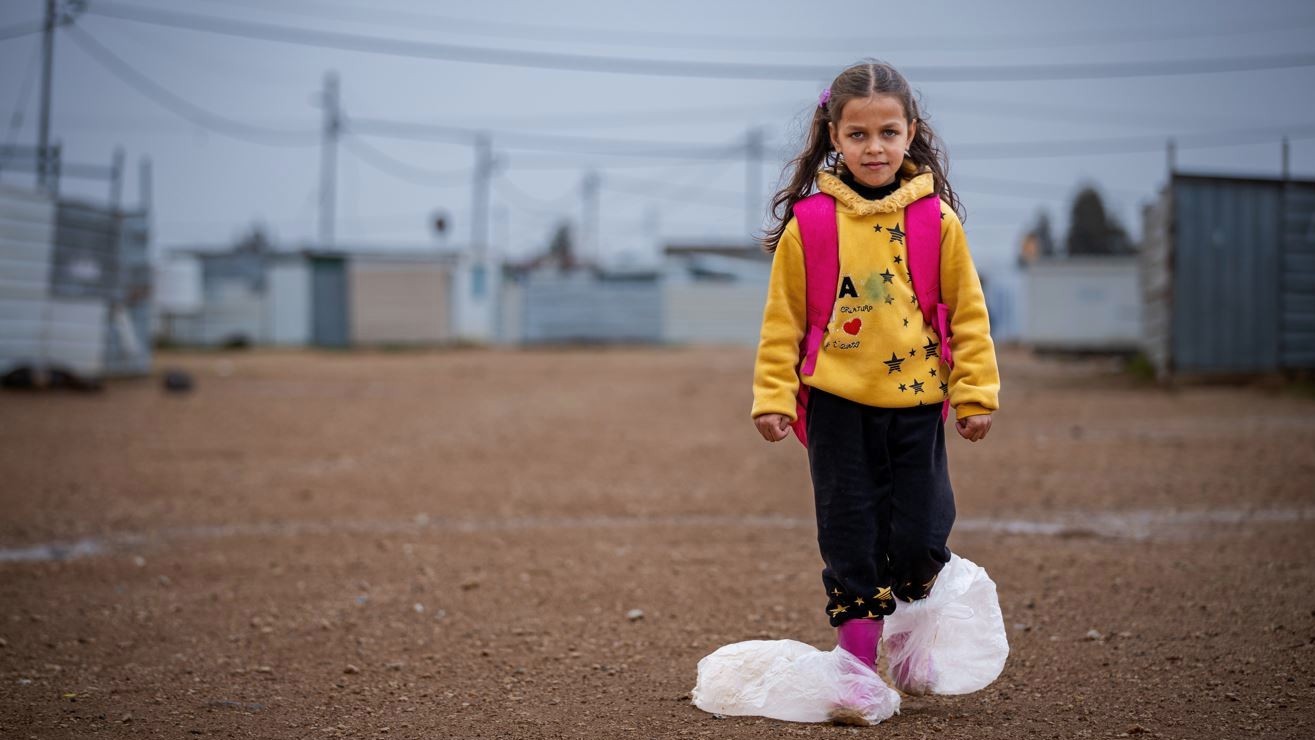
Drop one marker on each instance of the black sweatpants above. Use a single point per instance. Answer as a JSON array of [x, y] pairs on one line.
[[884, 502]]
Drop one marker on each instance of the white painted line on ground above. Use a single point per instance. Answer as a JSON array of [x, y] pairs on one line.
[[1137, 525]]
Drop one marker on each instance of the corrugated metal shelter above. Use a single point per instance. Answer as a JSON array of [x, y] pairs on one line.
[[584, 306], [75, 288], [1228, 276], [714, 294], [1083, 304]]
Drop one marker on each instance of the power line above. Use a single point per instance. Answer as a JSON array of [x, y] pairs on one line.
[[19, 30], [20, 105], [1031, 109], [414, 131], [548, 161], [371, 155], [631, 148], [720, 42], [608, 119], [565, 200], [183, 108], [1003, 187], [667, 191], [1126, 144], [683, 68], [402, 170], [527, 203], [548, 142]]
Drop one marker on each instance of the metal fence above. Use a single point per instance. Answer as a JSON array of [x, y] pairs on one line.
[[76, 288]]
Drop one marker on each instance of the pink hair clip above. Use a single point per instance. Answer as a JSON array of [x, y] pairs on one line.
[[824, 98]]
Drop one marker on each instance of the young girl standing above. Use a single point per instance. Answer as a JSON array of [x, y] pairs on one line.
[[874, 427]]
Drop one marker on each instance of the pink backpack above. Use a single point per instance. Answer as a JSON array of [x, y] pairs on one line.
[[821, 243]]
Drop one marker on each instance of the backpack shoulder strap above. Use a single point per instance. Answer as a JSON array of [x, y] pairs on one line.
[[923, 226], [924, 234], [821, 244]]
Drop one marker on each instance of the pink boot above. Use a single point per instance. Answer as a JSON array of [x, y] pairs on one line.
[[912, 671], [860, 638]]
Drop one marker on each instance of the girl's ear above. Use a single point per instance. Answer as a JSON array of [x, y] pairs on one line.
[[831, 131], [913, 133]]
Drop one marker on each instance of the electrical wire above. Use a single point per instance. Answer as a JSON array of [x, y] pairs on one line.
[[1065, 38], [1126, 144], [19, 30], [548, 142], [546, 204], [1003, 187], [666, 191], [389, 165], [619, 119], [180, 107], [20, 105], [548, 161], [684, 68]]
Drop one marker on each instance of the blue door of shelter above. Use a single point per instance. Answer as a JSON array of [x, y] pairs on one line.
[[329, 301], [1226, 275]]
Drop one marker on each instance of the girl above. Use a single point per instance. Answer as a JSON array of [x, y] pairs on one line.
[[876, 442]]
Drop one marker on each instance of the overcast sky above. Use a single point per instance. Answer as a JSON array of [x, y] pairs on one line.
[[248, 150]]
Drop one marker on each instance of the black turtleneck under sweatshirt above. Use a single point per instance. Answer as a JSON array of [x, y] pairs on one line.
[[867, 192]]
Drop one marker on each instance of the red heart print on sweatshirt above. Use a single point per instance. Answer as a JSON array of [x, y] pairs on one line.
[[852, 326]]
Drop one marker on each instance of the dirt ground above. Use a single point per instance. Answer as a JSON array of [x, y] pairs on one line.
[[451, 544]]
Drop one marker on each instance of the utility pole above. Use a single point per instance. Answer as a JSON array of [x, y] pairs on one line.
[[1287, 157], [329, 158], [502, 232], [480, 197], [47, 71], [1172, 156], [753, 177], [591, 241], [144, 185], [653, 227], [116, 179], [144, 197]]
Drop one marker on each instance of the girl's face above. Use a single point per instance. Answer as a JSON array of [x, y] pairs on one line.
[[872, 135]]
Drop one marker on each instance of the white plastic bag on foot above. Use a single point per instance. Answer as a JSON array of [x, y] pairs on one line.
[[953, 641], [792, 681]]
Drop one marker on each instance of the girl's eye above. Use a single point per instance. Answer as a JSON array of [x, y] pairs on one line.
[[856, 135], [890, 132]]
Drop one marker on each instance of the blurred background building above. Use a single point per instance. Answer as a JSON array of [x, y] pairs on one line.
[[336, 174]]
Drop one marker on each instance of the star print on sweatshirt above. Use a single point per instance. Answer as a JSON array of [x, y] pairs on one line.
[[879, 349]]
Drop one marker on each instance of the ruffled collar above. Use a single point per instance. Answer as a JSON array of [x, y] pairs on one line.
[[915, 184]]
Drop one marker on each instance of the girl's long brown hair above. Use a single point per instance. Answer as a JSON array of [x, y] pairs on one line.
[[859, 81]]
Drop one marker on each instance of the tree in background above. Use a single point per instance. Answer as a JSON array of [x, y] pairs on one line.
[[256, 241], [1038, 242], [561, 249], [1091, 231]]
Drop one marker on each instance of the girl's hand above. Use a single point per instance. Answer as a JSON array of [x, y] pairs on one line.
[[773, 427], [974, 428]]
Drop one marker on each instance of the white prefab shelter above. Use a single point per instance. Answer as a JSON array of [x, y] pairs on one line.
[[287, 305], [714, 295], [318, 298], [75, 287], [1083, 304], [400, 299]]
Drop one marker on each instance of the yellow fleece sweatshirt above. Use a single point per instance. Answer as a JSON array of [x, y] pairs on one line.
[[878, 349]]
